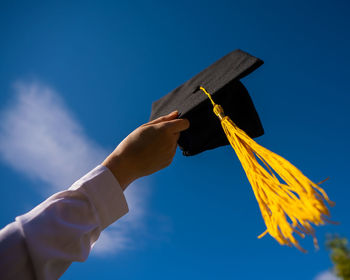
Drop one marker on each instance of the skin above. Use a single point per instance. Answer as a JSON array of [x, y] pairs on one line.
[[149, 148]]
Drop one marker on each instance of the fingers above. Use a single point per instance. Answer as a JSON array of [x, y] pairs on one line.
[[170, 123], [177, 125], [171, 116]]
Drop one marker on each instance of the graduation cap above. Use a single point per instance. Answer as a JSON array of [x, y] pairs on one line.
[[288, 200], [222, 80]]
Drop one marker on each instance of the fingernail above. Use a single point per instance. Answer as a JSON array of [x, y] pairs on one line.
[[176, 112]]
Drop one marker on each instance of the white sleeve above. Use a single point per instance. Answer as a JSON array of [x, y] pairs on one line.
[[42, 243]]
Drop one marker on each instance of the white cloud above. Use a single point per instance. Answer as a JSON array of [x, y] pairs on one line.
[[326, 275], [40, 138]]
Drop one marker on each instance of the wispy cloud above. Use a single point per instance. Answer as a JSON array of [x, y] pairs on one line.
[[40, 138], [326, 275]]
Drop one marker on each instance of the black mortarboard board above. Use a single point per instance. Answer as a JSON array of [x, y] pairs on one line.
[[222, 80]]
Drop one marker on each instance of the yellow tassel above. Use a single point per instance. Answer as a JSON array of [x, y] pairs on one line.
[[287, 207]]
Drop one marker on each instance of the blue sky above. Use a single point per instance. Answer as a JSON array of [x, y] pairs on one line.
[[77, 76]]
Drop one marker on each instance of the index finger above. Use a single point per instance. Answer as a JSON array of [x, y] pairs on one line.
[[177, 125], [171, 116]]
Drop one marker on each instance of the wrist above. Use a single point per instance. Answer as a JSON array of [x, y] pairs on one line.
[[120, 171]]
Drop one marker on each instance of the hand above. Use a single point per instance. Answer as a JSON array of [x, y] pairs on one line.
[[147, 149]]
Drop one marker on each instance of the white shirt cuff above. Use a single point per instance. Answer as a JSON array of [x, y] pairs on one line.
[[105, 193]]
